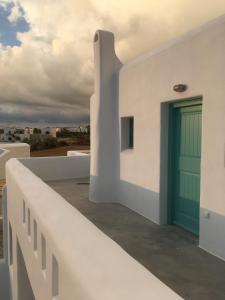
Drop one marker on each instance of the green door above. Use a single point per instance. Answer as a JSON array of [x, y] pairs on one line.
[[186, 158]]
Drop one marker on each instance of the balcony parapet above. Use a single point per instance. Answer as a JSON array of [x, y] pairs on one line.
[[66, 256]]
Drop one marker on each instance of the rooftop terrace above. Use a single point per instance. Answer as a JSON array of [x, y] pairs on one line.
[[169, 252]]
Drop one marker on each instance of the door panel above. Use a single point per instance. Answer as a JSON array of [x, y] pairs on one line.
[[186, 167]]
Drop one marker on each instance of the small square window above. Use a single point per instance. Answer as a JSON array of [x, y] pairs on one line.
[[127, 133]]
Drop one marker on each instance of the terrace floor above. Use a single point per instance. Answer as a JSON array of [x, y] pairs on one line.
[[169, 252]]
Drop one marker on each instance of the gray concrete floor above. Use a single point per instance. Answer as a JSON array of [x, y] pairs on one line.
[[169, 252]]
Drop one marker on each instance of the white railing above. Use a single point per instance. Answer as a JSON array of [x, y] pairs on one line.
[[66, 256], [58, 167]]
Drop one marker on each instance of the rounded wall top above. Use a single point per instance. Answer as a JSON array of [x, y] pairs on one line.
[[96, 37], [104, 48], [103, 34]]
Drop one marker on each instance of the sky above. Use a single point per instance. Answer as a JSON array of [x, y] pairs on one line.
[[46, 52]]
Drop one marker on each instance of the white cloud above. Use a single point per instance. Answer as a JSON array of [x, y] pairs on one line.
[[16, 14], [4, 3], [52, 70]]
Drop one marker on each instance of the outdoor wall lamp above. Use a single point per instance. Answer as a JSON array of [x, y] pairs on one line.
[[180, 88]]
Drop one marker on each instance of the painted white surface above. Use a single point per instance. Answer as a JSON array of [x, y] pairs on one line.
[[76, 244], [13, 150], [187, 63], [59, 167], [145, 84], [199, 63], [76, 153], [49, 131], [104, 120], [4, 281]]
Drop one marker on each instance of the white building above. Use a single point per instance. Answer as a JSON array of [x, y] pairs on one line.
[[49, 131], [29, 131], [14, 134], [84, 129], [73, 129], [8, 135], [78, 129], [158, 126], [157, 147], [1, 134]]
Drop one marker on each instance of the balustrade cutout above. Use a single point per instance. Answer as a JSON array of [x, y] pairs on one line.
[[35, 235], [55, 278], [28, 221], [43, 253], [10, 245], [24, 212]]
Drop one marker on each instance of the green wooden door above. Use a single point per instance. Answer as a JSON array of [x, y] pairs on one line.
[[186, 166]]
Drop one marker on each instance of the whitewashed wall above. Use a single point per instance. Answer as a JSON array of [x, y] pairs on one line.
[[145, 84], [80, 261], [104, 120], [59, 167]]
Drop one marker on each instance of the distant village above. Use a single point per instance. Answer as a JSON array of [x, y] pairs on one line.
[[20, 134]]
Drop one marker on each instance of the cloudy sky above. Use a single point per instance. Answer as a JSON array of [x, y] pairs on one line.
[[46, 55]]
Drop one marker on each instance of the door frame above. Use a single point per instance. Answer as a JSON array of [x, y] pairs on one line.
[[171, 120]]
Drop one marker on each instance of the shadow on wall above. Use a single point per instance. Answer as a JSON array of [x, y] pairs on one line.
[[58, 167], [4, 280], [146, 202], [24, 287], [139, 199], [211, 230], [105, 146]]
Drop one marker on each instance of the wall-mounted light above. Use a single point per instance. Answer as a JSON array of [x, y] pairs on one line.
[[180, 88]]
